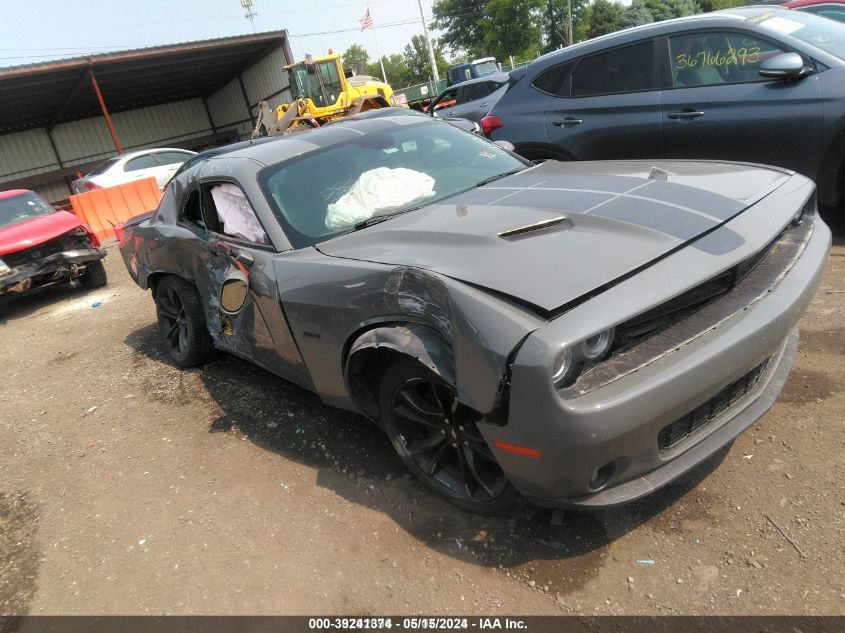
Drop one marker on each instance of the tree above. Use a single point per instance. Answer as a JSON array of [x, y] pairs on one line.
[[462, 23], [717, 5], [489, 27], [512, 28], [397, 72], [636, 13], [418, 62], [605, 17], [667, 9], [354, 55], [555, 18]]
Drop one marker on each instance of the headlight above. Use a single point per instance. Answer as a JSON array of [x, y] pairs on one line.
[[570, 361], [563, 367], [595, 347], [4, 269]]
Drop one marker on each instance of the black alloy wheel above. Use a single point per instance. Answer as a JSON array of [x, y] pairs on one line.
[[182, 322], [439, 441]]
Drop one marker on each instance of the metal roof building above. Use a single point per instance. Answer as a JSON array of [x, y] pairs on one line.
[[63, 117]]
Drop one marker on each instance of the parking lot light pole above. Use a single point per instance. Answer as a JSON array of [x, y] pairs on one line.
[[431, 57], [105, 111]]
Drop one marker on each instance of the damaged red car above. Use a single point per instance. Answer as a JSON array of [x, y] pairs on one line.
[[41, 246]]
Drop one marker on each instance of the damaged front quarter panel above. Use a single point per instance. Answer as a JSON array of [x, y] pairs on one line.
[[339, 307]]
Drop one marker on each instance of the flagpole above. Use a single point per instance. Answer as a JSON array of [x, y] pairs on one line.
[[378, 52]]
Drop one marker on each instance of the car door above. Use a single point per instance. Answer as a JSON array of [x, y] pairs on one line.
[[717, 105], [605, 105], [243, 309], [473, 100]]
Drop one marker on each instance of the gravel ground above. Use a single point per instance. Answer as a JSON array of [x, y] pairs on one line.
[[128, 486]]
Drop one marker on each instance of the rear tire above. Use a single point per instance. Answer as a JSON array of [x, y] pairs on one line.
[[94, 275], [439, 441], [182, 322]]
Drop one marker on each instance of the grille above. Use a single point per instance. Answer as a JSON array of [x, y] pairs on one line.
[[702, 416], [676, 310], [65, 242]]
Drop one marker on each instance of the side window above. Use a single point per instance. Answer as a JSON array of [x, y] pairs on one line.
[[141, 162], [234, 213], [708, 59], [172, 158], [628, 69], [448, 100], [555, 81], [477, 91], [192, 210]]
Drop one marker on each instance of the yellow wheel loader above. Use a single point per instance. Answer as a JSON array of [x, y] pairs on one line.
[[321, 92]]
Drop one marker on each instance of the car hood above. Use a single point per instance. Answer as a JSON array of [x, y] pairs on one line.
[[34, 231], [559, 231]]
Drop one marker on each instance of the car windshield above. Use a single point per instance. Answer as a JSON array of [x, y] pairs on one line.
[[382, 173], [22, 207], [486, 68], [828, 35]]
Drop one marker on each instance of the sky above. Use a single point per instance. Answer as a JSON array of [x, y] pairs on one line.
[[40, 30]]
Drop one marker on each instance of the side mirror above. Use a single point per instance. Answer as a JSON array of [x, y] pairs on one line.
[[506, 145], [783, 66]]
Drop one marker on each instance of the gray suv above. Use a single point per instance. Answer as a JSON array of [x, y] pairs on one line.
[[470, 99], [756, 84]]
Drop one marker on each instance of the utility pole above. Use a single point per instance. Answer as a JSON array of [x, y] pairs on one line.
[[431, 57], [249, 13], [569, 22]]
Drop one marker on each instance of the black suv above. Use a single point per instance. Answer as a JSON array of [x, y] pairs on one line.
[[756, 84]]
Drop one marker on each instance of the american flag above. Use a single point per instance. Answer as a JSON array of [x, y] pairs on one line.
[[366, 21]]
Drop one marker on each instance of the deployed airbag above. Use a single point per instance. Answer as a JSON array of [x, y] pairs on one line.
[[379, 191]]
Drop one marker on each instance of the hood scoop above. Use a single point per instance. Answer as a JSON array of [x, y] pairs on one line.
[[561, 222]]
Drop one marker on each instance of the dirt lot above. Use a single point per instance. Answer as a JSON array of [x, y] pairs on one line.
[[128, 486]]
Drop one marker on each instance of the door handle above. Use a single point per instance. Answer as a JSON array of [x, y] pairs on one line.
[[484, 105], [568, 122], [685, 114]]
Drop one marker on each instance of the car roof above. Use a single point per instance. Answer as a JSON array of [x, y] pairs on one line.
[[149, 150], [286, 147], [501, 77], [11, 193]]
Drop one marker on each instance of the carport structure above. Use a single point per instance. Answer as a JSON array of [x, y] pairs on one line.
[[63, 117]]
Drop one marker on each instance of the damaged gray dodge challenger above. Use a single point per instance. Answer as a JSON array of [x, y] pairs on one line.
[[574, 334]]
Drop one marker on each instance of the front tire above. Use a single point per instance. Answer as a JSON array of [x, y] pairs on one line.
[[182, 322], [94, 275], [439, 441]]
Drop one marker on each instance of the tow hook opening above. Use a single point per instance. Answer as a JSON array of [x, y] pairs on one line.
[[602, 476]]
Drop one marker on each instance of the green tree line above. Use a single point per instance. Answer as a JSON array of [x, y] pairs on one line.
[[521, 28]]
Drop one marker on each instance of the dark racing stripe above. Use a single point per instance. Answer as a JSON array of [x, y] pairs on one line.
[[700, 200]]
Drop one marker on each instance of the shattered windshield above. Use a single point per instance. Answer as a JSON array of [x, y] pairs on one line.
[[22, 207], [335, 189]]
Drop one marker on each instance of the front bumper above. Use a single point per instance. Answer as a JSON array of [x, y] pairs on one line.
[[616, 427], [47, 271]]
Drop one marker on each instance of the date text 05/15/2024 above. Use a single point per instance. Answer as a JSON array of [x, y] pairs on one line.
[[416, 623]]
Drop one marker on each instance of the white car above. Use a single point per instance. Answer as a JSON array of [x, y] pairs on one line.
[[160, 163]]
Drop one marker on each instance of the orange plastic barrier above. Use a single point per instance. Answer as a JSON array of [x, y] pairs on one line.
[[101, 209]]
